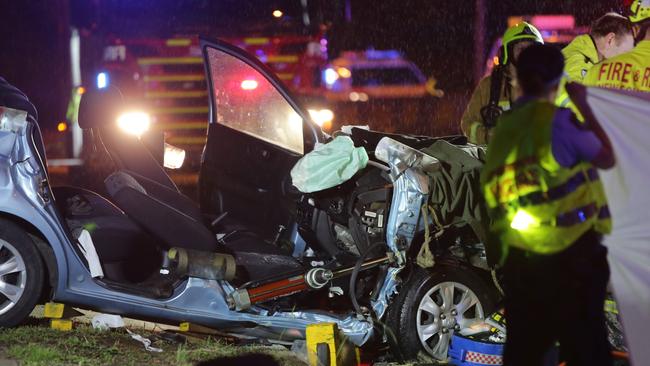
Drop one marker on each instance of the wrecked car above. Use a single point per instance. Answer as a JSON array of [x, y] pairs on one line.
[[257, 257]]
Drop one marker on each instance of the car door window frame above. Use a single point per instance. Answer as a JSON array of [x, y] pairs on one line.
[[312, 134]]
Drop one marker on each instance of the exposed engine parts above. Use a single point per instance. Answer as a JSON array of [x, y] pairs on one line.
[[318, 277], [315, 278]]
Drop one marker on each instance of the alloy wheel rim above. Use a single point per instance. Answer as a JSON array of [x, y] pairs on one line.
[[446, 308], [13, 276]]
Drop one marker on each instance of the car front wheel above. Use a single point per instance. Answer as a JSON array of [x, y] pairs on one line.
[[431, 306], [21, 275]]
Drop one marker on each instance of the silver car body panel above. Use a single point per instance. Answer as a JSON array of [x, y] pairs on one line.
[[25, 194]]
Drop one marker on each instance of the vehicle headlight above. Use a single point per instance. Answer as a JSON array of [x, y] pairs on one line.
[[102, 80], [330, 76], [134, 122], [174, 157], [322, 117]]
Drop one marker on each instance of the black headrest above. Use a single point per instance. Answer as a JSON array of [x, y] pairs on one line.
[[12, 97], [100, 107]]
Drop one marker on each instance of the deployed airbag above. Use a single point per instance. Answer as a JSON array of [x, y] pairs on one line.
[[328, 165]]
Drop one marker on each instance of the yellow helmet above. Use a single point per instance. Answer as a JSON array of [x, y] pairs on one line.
[[640, 11], [516, 33]]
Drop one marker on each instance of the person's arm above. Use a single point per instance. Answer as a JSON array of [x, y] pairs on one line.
[[605, 158], [471, 122]]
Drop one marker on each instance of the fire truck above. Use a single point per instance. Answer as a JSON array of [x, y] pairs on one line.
[[166, 78], [151, 54]]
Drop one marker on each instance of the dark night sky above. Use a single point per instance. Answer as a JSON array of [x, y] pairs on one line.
[[436, 34]]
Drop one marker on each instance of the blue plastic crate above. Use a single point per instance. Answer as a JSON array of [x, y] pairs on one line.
[[470, 352]]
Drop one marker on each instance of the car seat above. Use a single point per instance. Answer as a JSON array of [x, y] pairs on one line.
[[144, 191]]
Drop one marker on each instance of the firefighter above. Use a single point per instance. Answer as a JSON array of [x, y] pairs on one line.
[[610, 36], [548, 210], [630, 70], [495, 93]]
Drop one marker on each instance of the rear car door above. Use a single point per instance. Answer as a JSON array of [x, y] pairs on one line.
[[256, 134]]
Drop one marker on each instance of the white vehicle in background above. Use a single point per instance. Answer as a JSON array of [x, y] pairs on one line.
[[380, 88], [358, 76]]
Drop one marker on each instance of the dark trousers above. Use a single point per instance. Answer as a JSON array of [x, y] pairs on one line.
[[557, 298]]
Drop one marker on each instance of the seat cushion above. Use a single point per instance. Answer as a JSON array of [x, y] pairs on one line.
[[172, 226], [127, 252]]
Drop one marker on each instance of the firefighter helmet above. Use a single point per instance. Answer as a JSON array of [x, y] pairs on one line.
[[639, 11], [516, 33]]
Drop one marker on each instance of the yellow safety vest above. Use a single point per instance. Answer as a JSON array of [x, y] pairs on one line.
[[629, 70], [536, 204], [579, 56]]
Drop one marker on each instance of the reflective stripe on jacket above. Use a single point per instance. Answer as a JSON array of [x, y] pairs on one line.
[[629, 70], [536, 204]]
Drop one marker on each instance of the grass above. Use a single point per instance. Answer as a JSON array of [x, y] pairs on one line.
[[40, 345]]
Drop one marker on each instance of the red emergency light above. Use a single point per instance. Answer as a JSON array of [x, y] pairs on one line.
[[249, 84], [546, 22]]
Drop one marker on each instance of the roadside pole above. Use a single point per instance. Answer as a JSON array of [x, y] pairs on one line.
[[75, 70], [479, 38]]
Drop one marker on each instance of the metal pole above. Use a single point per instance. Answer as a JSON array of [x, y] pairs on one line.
[[75, 66], [305, 13]]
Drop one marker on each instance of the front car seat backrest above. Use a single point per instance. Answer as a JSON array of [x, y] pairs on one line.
[[167, 223], [98, 111], [158, 191], [130, 154]]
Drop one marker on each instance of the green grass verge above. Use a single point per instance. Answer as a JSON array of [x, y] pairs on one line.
[[40, 345]]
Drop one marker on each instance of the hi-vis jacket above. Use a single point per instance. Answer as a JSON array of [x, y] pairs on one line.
[[630, 70], [579, 56], [535, 203]]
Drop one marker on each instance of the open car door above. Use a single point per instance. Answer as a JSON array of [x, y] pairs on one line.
[[256, 134]]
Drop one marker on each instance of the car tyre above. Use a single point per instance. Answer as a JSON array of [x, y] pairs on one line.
[[21, 275], [422, 328]]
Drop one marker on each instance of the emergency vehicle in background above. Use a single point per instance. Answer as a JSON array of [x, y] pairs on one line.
[[558, 30], [160, 73], [166, 79], [380, 77], [155, 63]]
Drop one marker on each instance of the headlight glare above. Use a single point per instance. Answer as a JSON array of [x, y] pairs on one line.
[[322, 117], [134, 122]]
